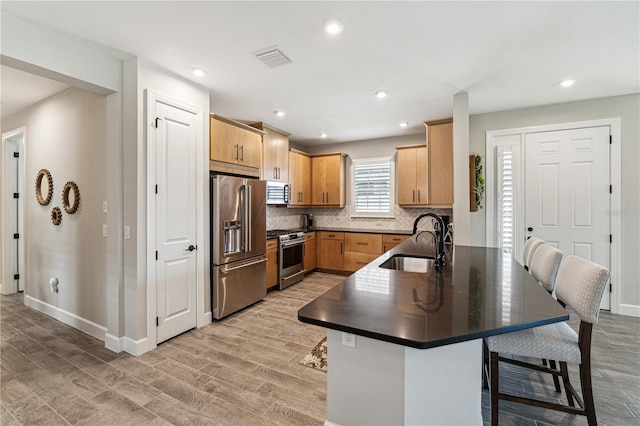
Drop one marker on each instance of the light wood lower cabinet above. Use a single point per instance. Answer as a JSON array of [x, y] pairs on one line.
[[389, 241], [361, 249], [331, 250], [272, 262], [309, 251]]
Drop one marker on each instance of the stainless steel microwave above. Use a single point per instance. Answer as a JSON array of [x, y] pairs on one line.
[[278, 193]]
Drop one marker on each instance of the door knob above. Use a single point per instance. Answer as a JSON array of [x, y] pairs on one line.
[[530, 229], [192, 248]]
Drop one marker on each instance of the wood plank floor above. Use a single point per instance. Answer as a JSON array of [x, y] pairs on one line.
[[243, 370]]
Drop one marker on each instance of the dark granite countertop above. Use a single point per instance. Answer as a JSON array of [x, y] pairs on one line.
[[480, 292]]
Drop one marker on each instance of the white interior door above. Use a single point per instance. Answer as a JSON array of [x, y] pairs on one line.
[[176, 157], [567, 196]]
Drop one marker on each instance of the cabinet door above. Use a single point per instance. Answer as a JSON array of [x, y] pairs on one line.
[[441, 164], [223, 140], [422, 176], [272, 264], [250, 148], [294, 178], [282, 157], [407, 175], [331, 254], [332, 180], [270, 152], [363, 243], [318, 178], [355, 261], [309, 252], [304, 179]]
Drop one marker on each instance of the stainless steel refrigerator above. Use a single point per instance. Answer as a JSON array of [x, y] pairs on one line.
[[238, 243]]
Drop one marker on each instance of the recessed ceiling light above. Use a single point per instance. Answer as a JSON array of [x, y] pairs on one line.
[[280, 113], [334, 27], [323, 135], [567, 83], [404, 124], [381, 94], [198, 72]]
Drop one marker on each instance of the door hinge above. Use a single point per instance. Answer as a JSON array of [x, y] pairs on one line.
[[157, 321], [610, 189], [16, 155], [156, 254], [16, 195], [610, 238], [156, 122], [16, 276], [16, 236], [156, 189], [610, 288], [610, 139]]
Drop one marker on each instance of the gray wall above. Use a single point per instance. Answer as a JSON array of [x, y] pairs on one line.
[[625, 107], [66, 134]]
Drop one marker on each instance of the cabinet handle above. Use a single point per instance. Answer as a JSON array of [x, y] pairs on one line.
[[242, 153], [362, 244], [414, 195], [274, 173], [361, 263], [418, 195], [327, 198], [340, 248], [331, 236], [236, 147]]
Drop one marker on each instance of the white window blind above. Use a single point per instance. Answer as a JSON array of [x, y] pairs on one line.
[[372, 188], [506, 198]]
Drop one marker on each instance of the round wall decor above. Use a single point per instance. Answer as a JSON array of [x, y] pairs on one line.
[[44, 200], [56, 215], [70, 197]]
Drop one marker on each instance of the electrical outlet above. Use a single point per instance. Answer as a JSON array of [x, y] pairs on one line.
[[349, 339], [127, 232], [104, 230]]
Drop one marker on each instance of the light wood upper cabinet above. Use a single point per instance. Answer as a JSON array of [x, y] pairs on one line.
[[275, 151], [328, 180], [425, 172], [440, 144], [300, 178], [234, 143]]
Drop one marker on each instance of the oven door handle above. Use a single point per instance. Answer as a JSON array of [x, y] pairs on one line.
[[291, 243]]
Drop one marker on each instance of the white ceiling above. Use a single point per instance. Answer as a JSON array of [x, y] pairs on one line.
[[20, 89], [506, 55]]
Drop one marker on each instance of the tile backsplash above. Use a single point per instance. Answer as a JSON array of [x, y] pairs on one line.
[[289, 218]]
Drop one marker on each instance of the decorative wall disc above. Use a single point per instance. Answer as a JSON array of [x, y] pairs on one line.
[[70, 197], [42, 199], [56, 215]]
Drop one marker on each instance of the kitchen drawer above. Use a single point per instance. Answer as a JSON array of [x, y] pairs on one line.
[[394, 238], [354, 261], [324, 235], [309, 236], [363, 243], [272, 244]]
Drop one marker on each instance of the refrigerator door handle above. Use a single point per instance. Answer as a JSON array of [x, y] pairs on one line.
[[227, 270], [249, 223]]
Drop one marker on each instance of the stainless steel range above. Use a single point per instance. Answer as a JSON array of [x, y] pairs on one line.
[[290, 256]]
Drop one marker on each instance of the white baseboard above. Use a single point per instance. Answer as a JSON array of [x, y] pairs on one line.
[[328, 422], [207, 319], [630, 310], [114, 343], [68, 318], [133, 347]]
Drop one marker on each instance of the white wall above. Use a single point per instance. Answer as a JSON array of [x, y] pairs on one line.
[[625, 107], [66, 134]]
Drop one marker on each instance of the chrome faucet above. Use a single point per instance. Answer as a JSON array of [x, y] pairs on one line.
[[438, 236]]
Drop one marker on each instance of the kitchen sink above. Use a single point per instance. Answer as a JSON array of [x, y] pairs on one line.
[[401, 262]]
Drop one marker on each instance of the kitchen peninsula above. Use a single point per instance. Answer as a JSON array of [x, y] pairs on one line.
[[418, 336]]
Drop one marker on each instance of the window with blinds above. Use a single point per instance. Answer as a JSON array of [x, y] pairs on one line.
[[372, 188], [506, 199]]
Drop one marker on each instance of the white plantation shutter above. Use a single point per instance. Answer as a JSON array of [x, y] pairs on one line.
[[506, 188], [372, 187]]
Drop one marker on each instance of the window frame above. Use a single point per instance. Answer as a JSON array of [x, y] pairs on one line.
[[392, 187]]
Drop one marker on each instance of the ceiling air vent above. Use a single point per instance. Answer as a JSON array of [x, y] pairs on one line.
[[273, 57]]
